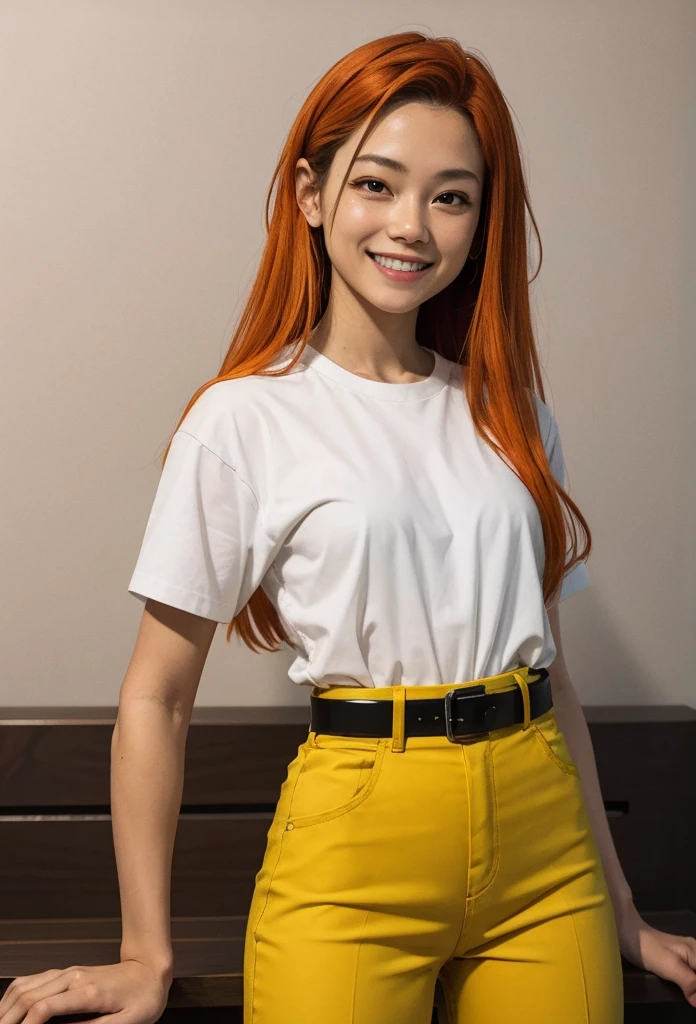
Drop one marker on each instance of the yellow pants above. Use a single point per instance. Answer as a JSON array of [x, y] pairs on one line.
[[391, 864]]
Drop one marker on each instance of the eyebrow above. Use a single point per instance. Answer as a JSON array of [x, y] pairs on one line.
[[386, 161]]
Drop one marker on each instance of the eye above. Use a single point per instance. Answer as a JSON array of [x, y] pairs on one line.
[[465, 201], [458, 195], [367, 181]]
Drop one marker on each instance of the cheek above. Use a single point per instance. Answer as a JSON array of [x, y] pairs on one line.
[[454, 241], [358, 218], [349, 240], [362, 224]]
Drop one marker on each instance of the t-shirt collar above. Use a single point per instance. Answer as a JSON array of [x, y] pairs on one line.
[[413, 391]]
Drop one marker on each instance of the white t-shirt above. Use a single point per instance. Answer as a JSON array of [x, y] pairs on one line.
[[397, 547]]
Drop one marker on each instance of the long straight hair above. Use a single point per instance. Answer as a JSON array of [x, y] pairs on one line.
[[481, 320]]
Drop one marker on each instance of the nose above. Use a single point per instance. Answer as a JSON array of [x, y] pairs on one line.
[[409, 222]]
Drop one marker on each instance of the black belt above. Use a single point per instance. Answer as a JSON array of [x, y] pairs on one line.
[[462, 712]]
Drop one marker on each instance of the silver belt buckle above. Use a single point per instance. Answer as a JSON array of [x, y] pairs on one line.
[[460, 693]]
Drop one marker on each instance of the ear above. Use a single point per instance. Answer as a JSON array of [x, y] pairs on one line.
[[308, 198], [557, 670]]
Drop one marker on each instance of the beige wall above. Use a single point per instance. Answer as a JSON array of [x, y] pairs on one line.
[[138, 140]]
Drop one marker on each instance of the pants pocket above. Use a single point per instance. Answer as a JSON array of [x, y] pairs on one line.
[[337, 774], [550, 736]]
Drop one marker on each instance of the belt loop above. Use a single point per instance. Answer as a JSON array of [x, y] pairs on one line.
[[525, 698], [399, 720]]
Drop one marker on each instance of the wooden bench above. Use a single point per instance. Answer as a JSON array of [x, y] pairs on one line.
[[209, 955], [58, 884]]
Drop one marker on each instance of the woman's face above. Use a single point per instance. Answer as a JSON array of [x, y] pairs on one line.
[[427, 207]]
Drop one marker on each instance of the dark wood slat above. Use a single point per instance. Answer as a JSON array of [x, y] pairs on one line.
[[232, 757], [646, 767], [68, 868], [75, 929], [209, 955]]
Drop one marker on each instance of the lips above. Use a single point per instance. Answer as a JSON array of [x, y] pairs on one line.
[[404, 259]]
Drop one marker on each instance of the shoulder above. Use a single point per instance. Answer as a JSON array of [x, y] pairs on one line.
[[230, 414], [211, 418], [548, 426]]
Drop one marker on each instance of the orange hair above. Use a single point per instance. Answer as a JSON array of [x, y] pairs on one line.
[[483, 323]]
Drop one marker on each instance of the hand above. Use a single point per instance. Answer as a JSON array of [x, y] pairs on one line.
[[130, 987], [672, 957]]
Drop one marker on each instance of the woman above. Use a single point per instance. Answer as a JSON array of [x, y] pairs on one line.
[[372, 478]]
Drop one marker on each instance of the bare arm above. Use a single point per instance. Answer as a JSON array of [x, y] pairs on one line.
[[147, 773], [571, 718], [672, 957]]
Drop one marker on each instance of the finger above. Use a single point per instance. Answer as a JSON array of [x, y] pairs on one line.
[[676, 969], [688, 951], [17, 989], [85, 999]]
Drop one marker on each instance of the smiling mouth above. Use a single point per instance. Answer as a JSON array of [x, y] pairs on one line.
[[423, 266]]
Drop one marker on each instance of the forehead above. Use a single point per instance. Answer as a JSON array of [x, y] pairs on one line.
[[422, 137]]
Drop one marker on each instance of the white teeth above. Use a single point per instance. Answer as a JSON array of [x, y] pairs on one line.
[[398, 264]]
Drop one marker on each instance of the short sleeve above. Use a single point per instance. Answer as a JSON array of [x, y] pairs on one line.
[[205, 548], [578, 577]]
